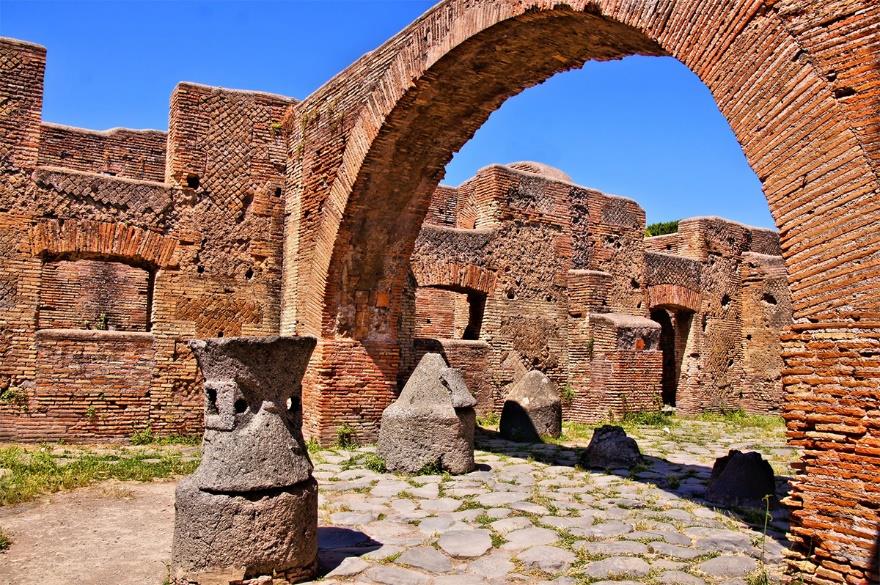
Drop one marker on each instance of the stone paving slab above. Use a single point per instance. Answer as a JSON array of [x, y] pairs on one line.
[[529, 515]]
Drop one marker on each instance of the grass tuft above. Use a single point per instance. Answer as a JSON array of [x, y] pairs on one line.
[[145, 436], [36, 472], [741, 418], [5, 541]]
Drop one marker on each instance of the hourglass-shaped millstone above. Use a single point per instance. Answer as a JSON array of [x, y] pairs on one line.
[[251, 507]]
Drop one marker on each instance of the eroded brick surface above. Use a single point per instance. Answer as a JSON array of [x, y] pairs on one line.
[[351, 175]]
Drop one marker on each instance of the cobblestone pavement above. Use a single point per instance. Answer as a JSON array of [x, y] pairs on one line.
[[529, 515], [526, 515]]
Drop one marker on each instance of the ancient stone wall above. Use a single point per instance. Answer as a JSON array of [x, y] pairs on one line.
[[557, 262], [110, 259], [134, 154]]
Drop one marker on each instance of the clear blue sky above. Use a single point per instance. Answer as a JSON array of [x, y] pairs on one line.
[[645, 128]]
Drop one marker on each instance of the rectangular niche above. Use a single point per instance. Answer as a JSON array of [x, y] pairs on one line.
[[94, 294]]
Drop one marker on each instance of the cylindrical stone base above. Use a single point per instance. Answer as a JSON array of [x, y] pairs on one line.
[[222, 538]]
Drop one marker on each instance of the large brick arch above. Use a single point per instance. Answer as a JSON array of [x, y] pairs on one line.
[[798, 81]]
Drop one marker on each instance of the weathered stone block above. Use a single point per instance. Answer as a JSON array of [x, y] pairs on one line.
[[610, 448], [432, 423], [741, 479], [532, 409]]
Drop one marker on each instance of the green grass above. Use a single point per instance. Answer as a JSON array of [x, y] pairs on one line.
[[146, 437], [373, 462], [36, 472], [648, 419], [5, 541], [740, 418], [489, 420]]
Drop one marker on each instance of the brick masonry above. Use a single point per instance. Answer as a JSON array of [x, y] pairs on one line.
[[550, 259], [117, 247], [342, 190]]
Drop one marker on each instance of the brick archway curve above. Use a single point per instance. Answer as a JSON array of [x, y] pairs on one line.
[[455, 276], [674, 296], [796, 79]]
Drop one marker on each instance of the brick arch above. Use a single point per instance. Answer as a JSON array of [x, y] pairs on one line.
[[674, 296], [92, 239], [427, 102], [452, 275], [797, 81]]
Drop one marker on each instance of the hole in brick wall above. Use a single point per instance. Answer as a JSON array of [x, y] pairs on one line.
[[240, 405], [293, 405], [428, 321], [64, 154], [635, 284], [831, 76], [725, 301], [200, 269], [769, 299], [211, 401], [249, 274], [749, 337], [511, 295], [548, 298], [842, 92], [277, 191], [219, 334], [705, 323], [193, 181], [245, 205]]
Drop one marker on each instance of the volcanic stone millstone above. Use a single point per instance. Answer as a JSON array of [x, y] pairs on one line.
[[251, 508], [431, 423], [611, 448], [741, 479], [532, 409]]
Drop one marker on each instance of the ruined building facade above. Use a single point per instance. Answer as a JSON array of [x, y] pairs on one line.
[[354, 170], [119, 246], [519, 268]]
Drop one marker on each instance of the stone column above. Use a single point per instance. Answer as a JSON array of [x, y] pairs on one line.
[[251, 508]]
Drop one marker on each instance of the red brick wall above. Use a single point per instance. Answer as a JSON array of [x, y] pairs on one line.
[[92, 294], [214, 249], [86, 385], [135, 154]]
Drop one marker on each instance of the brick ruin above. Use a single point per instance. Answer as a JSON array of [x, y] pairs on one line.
[[521, 269], [120, 246], [339, 184], [117, 247]]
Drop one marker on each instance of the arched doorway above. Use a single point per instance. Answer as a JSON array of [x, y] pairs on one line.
[[368, 149], [675, 326]]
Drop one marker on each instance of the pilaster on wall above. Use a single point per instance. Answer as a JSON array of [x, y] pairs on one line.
[[22, 68], [347, 386]]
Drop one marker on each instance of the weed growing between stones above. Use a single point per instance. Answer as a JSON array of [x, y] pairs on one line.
[[5, 541], [373, 462], [740, 419], [345, 436], [36, 472], [145, 436], [489, 420]]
